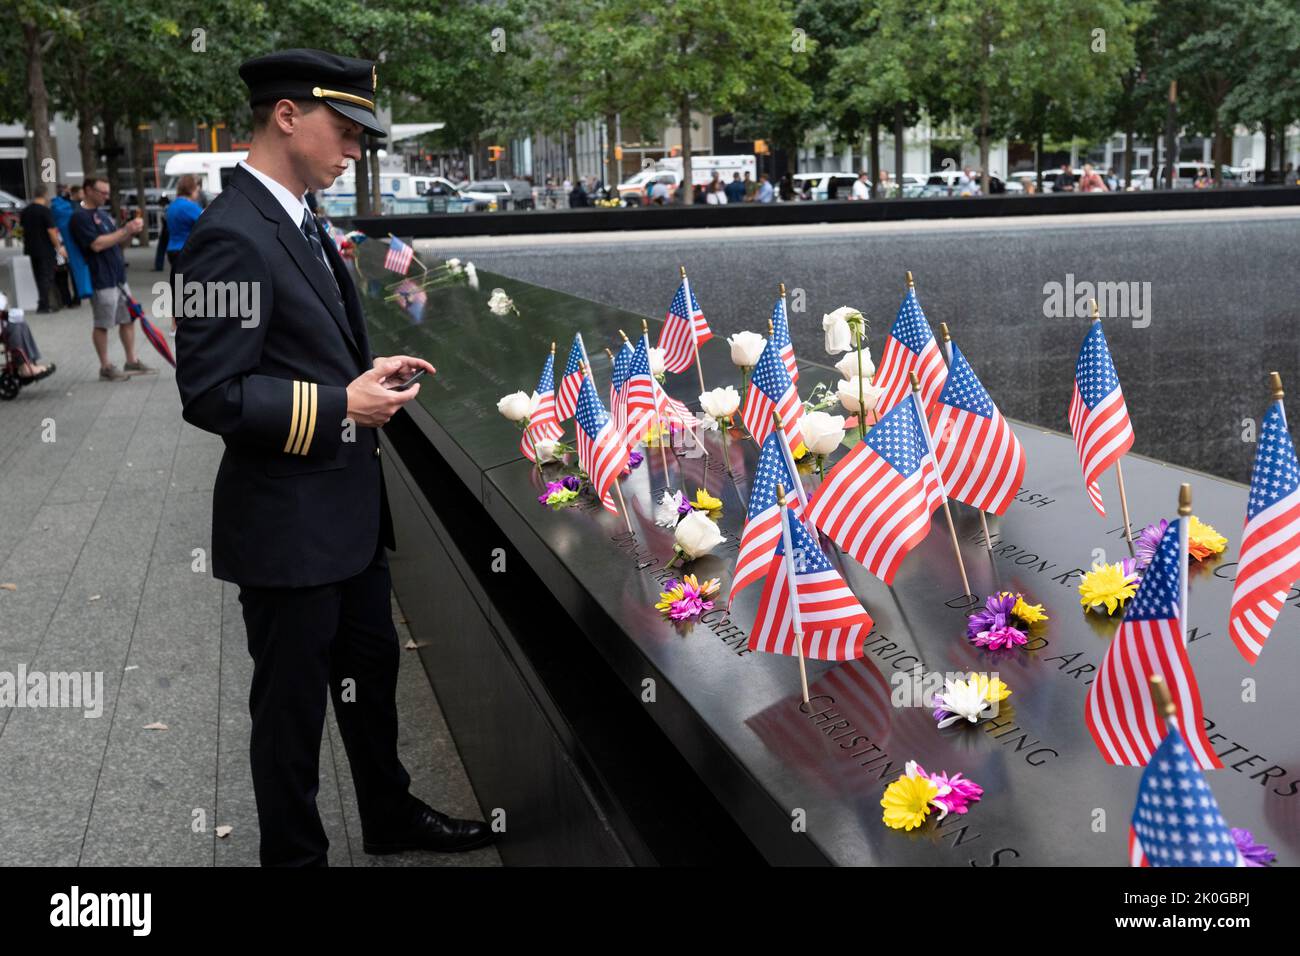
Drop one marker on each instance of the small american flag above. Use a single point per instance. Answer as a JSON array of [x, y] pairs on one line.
[[639, 395], [542, 424], [412, 298], [601, 451], [1270, 546], [770, 390], [1098, 415], [979, 457], [1176, 821], [781, 336], [816, 602], [910, 347], [566, 399], [618, 376], [681, 323], [877, 501], [1122, 716], [763, 522], [399, 256]]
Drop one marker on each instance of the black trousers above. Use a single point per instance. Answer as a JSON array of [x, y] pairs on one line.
[[306, 642], [43, 273]]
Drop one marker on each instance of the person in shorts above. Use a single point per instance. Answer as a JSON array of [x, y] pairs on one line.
[[101, 240]]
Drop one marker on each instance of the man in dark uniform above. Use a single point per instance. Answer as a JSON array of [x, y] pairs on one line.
[[300, 519]]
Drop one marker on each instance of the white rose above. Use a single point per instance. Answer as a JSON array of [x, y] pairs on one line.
[[848, 394], [500, 303], [471, 274], [515, 406], [546, 450], [848, 366], [696, 534], [822, 433], [656, 360], [839, 337], [720, 402], [746, 347], [453, 265]]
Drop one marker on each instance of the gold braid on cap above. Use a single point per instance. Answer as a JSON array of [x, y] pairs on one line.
[[319, 93]]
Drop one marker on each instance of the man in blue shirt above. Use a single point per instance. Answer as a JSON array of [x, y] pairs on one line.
[[764, 191], [101, 241], [735, 189]]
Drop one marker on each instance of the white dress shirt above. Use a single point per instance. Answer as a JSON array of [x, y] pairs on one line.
[[294, 206]]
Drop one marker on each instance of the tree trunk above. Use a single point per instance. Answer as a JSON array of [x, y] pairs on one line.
[[1171, 131], [112, 157], [874, 159], [362, 182], [984, 140], [1128, 158], [1217, 151], [686, 191], [376, 182], [86, 141], [137, 162], [1268, 150], [38, 99], [1038, 160], [615, 174], [898, 147], [572, 133]]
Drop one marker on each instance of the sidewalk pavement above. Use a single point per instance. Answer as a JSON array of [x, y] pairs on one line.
[[98, 535]]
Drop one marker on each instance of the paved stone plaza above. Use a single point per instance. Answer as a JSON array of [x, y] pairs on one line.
[[98, 531]]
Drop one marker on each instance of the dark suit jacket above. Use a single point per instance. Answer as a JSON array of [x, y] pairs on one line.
[[299, 496]]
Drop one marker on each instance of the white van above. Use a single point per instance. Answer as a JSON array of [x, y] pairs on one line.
[[211, 169], [669, 172]]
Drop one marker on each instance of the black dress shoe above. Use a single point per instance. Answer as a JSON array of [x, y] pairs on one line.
[[431, 830]]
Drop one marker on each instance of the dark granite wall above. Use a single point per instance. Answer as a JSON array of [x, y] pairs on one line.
[[1224, 305]]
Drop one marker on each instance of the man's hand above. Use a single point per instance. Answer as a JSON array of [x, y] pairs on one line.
[[370, 402], [398, 368], [133, 227]]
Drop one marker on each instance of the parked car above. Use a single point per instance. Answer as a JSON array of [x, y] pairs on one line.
[[819, 184], [499, 194]]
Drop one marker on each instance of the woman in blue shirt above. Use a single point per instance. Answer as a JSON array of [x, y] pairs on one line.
[[182, 213]]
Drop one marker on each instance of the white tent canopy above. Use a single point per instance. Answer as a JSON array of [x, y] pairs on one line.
[[402, 131]]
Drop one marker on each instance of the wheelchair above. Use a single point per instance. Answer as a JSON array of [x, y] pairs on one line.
[[12, 358]]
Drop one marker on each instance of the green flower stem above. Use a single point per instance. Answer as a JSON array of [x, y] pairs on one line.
[[862, 411], [723, 425]]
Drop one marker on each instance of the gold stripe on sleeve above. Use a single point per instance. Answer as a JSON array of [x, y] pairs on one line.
[[301, 425], [293, 420], [311, 420]]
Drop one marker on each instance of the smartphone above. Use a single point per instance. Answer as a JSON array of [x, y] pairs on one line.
[[407, 383]]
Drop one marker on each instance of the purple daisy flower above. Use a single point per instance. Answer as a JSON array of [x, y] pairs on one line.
[[996, 638], [1148, 541], [551, 488], [1255, 854], [995, 613]]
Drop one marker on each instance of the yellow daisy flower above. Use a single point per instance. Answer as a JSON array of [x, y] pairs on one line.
[[705, 502], [991, 689], [907, 802], [1203, 540], [1106, 584], [667, 598], [1029, 613]]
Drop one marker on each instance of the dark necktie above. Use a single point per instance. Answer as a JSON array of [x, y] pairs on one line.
[[318, 251]]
